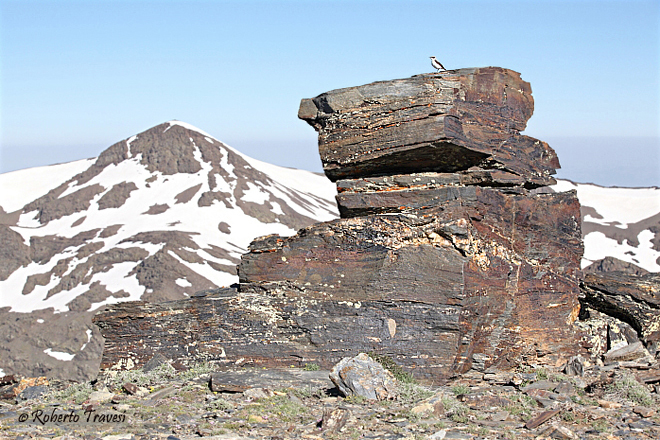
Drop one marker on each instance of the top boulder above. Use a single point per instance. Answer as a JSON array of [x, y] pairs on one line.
[[448, 122]]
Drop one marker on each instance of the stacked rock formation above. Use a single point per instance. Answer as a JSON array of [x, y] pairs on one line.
[[438, 214], [449, 254]]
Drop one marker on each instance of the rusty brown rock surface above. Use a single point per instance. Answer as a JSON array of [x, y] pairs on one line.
[[448, 122], [505, 266], [442, 291], [447, 257]]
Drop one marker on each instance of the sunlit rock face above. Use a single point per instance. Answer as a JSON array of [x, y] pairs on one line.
[[443, 204]]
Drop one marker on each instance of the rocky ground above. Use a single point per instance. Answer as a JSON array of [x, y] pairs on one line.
[[169, 401]]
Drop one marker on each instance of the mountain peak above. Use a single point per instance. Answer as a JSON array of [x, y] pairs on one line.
[[162, 213]]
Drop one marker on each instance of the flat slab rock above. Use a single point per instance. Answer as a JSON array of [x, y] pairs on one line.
[[276, 378], [634, 299], [444, 122]]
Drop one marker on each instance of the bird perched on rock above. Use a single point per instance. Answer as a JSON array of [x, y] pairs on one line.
[[437, 64]]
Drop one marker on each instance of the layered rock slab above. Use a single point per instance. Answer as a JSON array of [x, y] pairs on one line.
[[447, 122], [634, 299], [499, 271], [445, 290]]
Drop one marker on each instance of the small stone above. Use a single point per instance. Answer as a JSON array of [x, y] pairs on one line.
[[8, 380], [252, 418], [559, 432], [258, 393], [565, 388], [644, 411], [364, 377], [500, 416], [483, 401], [218, 384], [650, 376], [544, 398], [580, 383], [541, 418], [438, 435], [334, 420], [32, 392], [153, 363], [540, 385], [630, 352], [130, 388], [101, 396], [122, 407], [575, 366], [596, 413], [497, 378], [608, 404], [143, 391]]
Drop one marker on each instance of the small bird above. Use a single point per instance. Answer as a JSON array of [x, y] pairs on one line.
[[437, 64]]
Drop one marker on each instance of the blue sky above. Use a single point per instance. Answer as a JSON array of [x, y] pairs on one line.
[[76, 77]]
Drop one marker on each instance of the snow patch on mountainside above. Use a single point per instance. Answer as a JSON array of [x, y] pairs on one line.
[[59, 355], [619, 222], [18, 188], [615, 205]]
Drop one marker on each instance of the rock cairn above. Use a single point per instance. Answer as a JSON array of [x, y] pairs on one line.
[[449, 255]]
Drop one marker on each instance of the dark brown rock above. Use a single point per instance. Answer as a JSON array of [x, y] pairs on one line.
[[442, 123], [611, 264], [626, 353], [460, 258], [14, 253], [8, 379], [541, 418], [130, 388], [444, 259], [117, 195], [634, 299], [649, 376], [478, 282]]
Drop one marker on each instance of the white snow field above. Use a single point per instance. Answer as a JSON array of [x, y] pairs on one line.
[[621, 217]]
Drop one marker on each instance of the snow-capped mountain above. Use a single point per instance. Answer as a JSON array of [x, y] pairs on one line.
[[155, 217], [623, 223]]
